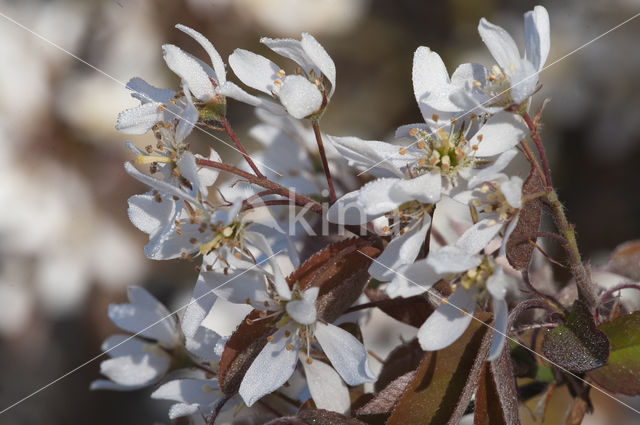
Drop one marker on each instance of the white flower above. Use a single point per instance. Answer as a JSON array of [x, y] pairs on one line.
[[179, 221], [193, 396], [471, 275], [298, 328], [303, 94], [136, 363], [422, 173], [176, 109], [473, 86]]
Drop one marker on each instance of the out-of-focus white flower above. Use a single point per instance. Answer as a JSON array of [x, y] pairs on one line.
[[294, 16], [136, 363], [303, 94]]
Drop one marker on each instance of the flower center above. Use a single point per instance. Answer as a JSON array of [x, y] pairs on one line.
[[493, 200]]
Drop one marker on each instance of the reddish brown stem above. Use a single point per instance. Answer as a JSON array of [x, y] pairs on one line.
[[323, 157], [232, 134], [533, 128], [264, 182]]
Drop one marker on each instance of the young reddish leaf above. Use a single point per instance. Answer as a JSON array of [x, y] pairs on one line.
[[404, 358], [497, 396], [325, 417], [385, 400], [519, 251], [577, 345], [622, 373], [446, 380], [340, 271], [625, 260], [412, 311], [241, 348]]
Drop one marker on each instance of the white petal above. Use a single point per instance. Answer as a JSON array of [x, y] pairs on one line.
[[247, 284], [188, 119], [477, 237], [292, 49], [137, 370], [190, 71], [524, 80], [370, 153], [148, 215], [502, 47], [448, 322], [254, 70], [209, 175], [120, 345], [401, 250], [140, 119], [490, 172], [300, 96], [500, 317], [146, 322], [231, 90], [348, 210], [413, 279], [259, 241], [502, 131], [428, 72], [468, 73], [326, 387], [202, 392], [201, 302], [378, 197], [536, 36], [200, 345], [216, 60], [145, 92], [452, 259], [179, 410], [512, 190], [320, 58], [104, 384], [272, 367], [425, 188], [347, 355], [304, 311], [159, 185], [189, 170]]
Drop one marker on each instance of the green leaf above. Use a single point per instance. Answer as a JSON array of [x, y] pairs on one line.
[[445, 380], [622, 373], [577, 345]]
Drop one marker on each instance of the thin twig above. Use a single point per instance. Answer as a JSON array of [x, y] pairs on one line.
[[323, 157], [232, 134]]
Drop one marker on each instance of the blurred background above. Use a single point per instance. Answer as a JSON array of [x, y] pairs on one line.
[[67, 248]]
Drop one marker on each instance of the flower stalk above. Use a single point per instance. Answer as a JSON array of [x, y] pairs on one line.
[[323, 157]]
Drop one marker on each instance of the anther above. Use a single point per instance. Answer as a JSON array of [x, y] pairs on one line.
[[281, 73], [149, 149], [248, 321], [309, 360], [288, 347], [193, 240], [435, 117], [402, 151], [270, 338], [287, 334]]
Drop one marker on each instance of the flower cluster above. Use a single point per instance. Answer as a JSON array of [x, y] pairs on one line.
[[401, 199]]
